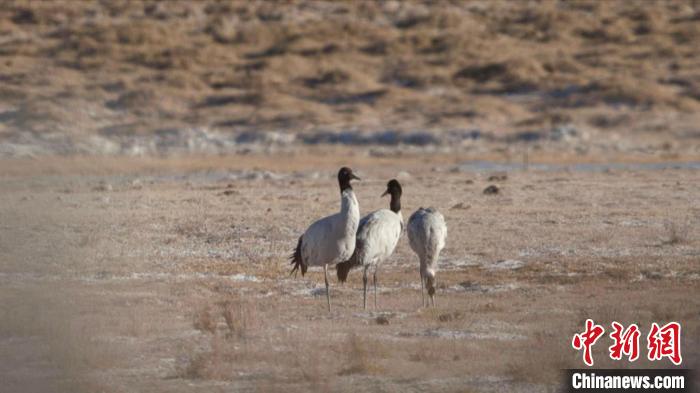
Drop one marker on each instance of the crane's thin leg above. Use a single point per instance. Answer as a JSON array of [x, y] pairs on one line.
[[364, 287], [328, 290], [422, 289], [431, 292], [374, 279], [434, 292]]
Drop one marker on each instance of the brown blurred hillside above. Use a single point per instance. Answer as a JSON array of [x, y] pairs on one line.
[[71, 71]]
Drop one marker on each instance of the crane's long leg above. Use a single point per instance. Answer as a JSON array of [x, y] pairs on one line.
[[434, 291], [364, 287], [374, 279], [422, 288], [328, 290], [431, 292]]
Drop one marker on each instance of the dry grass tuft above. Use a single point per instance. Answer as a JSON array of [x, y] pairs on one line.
[[426, 353], [619, 273], [361, 356], [675, 233], [451, 316], [552, 357], [241, 318], [204, 321], [210, 364]]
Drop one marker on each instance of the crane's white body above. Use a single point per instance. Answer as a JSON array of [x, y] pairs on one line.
[[331, 239], [427, 233], [377, 236]]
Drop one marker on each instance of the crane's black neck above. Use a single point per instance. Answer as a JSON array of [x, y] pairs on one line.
[[395, 204], [393, 188], [344, 184]]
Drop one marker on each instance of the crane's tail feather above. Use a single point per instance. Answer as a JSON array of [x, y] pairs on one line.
[[343, 268], [296, 260]]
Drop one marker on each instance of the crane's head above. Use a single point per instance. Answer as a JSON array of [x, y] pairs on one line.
[[344, 176], [393, 188]]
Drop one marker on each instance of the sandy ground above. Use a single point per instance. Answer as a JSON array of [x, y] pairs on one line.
[[172, 275]]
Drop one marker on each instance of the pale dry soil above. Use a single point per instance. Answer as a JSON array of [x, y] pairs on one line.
[[172, 275]]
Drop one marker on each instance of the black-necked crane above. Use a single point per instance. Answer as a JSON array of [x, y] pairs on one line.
[[427, 232], [330, 240], [377, 236]]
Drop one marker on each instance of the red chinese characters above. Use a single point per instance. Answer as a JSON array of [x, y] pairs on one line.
[[625, 342], [587, 339], [665, 342], [662, 342]]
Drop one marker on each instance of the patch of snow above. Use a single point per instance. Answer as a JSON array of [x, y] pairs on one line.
[[465, 335], [321, 291], [507, 264], [473, 287], [456, 263], [244, 277], [403, 175]]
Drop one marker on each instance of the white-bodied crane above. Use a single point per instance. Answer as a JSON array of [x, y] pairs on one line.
[[427, 232], [377, 236], [331, 239]]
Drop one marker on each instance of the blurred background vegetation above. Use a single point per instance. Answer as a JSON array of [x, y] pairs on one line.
[[95, 76]]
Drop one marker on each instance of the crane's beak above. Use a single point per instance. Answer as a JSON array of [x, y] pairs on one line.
[[353, 176], [385, 192]]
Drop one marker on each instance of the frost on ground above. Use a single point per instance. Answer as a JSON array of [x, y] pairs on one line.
[[173, 275]]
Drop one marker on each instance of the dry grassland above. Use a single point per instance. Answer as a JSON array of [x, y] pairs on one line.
[[92, 76], [130, 278]]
